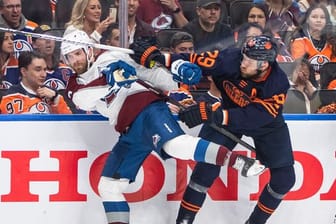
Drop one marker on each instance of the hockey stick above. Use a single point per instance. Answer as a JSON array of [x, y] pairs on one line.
[[61, 39], [223, 131]]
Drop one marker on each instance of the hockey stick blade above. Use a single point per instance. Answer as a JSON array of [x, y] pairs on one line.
[[60, 39]]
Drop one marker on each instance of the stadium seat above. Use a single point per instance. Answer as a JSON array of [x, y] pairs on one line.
[[38, 11], [296, 103], [328, 73], [163, 38], [288, 68], [322, 97], [63, 12], [238, 12]]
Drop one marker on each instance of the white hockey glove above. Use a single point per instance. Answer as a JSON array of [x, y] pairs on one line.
[[119, 74], [186, 72]]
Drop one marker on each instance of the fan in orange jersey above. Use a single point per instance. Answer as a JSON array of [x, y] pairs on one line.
[[311, 39], [30, 96]]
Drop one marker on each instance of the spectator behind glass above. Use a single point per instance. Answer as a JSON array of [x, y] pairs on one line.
[[283, 15], [136, 27], [181, 42], [245, 32], [311, 39], [30, 96], [303, 78], [86, 16], [258, 14], [207, 30], [162, 14], [9, 74], [57, 73], [111, 36], [12, 17]]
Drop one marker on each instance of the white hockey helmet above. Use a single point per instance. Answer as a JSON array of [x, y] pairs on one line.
[[75, 38]]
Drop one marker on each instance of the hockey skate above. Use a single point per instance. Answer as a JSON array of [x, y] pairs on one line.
[[247, 166]]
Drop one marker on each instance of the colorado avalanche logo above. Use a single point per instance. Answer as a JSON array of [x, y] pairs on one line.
[[55, 84], [39, 108], [21, 45], [318, 61], [162, 22]]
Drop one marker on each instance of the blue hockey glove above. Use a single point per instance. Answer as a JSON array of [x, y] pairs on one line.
[[186, 72], [119, 74], [201, 113]]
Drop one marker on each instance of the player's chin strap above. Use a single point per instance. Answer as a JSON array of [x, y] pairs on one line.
[[60, 39], [223, 131]]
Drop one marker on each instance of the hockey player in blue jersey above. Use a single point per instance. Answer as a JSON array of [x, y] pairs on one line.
[[108, 84], [253, 90]]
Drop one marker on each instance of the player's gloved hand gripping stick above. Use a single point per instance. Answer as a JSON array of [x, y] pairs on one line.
[[119, 74], [147, 54]]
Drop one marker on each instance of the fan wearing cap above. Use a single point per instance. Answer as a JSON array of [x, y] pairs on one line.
[[253, 90], [207, 28], [57, 73]]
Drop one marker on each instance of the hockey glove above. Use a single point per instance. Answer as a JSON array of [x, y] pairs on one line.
[[200, 113], [186, 72], [119, 74], [145, 52]]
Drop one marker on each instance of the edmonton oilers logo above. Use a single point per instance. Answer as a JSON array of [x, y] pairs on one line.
[[317, 61], [39, 108], [54, 83], [21, 45]]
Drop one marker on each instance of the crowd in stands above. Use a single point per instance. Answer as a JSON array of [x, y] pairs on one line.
[[304, 30]]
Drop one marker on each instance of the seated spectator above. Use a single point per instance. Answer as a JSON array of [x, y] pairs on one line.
[[181, 42], [311, 39], [162, 14], [284, 15], [303, 78], [136, 26], [12, 17], [258, 14], [57, 73], [30, 96], [245, 32], [111, 36], [86, 15], [9, 74], [208, 31]]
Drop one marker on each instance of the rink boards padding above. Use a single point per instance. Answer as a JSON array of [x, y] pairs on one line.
[[50, 165]]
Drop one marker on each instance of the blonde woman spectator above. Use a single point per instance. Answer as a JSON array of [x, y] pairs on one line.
[[86, 15], [311, 39]]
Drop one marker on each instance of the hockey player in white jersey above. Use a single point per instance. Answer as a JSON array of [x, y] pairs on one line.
[[109, 85]]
